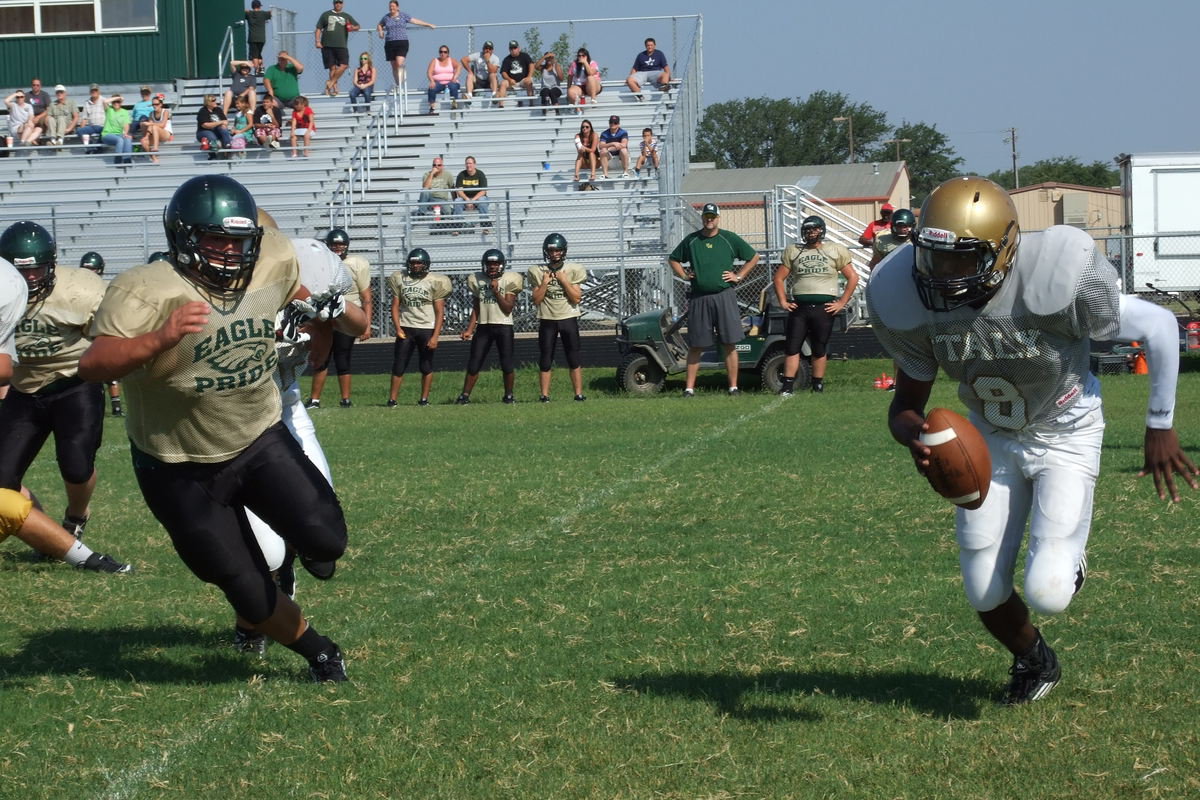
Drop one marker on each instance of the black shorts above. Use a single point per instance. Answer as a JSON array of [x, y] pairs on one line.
[[812, 322], [340, 352], [414, 339], [485, 336], [335, 56], [202, 507], [709, 313], [395, 48], [255, 51], [70, 409], [549, 331]]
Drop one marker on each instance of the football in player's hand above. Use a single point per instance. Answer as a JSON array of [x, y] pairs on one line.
[[960, 468]]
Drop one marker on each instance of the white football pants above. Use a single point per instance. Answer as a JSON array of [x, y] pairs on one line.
[[1048, 479], [296, 418]]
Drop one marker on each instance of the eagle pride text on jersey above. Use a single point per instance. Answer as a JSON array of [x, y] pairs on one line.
[[489, 307], [417, 296], [56, 331], [555, 304]]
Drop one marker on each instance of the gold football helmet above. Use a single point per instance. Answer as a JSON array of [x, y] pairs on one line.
[[966, 242]]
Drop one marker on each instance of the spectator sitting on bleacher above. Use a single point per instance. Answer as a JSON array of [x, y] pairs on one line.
[[242, 84], [39, 101], [20, 120], [585, 150], [212, 127], [471, 192], [61, 117], [614, 141], [303, 124], [516, 71], [550, 76], [283, 78], [92, 118], [157, 128], [649, 152], [268, 123], [437, 188], [443, 74], [584, 78], [650, 66], [116, 130], [243, 125], [364, 82], [139, 113], [482, 68]]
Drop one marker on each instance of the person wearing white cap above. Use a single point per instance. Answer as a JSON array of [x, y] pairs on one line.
[[61, 117]]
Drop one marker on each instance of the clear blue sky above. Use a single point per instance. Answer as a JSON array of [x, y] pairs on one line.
[[1085, 79]]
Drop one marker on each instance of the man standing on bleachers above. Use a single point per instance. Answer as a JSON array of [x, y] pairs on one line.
[[333, 30]]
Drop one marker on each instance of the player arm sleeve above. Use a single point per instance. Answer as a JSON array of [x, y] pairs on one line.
[[1156, 328]]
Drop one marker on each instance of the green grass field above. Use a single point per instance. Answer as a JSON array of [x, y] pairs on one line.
[[630, 598]]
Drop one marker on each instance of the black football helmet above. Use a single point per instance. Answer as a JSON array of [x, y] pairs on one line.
[[418, 262], [493, 263], [338, 241], [30, 248], [158, 255], [93, 261], [966, 243], [814, 225], [903, 218], [213, 205], [554, 250]]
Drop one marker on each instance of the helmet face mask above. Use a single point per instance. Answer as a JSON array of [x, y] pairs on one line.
[[492, 263], [338, 241], [30, 248], [213, 233], [812, 230], [417, 262], [554, 250], [966, 243]]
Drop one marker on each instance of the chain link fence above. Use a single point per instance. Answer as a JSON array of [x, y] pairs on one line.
[[1168, 262]]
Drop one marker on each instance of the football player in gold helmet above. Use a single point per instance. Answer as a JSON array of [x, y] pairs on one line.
[[1010, 316]]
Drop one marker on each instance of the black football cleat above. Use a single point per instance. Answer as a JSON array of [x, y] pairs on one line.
[[249, 642], [1080, 574], [462, 400], [75, 525], [98, 562], [328, 667], [321, 570], [1034, 674], [508, 399]]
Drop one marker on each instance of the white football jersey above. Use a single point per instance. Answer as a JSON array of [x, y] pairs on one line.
[[1022, 360], [321, 272], [14, 296]]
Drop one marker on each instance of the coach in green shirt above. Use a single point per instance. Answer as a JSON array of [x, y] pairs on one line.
[[713, 312]]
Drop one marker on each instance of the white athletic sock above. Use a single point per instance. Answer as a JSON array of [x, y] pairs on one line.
[[77, 554]]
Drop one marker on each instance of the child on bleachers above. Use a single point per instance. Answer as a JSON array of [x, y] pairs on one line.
[[303, 124], [649, 152]]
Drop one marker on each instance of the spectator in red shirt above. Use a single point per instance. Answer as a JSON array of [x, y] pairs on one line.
[[884, 223]]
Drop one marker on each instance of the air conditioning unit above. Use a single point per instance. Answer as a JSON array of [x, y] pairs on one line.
[[1075, 209]]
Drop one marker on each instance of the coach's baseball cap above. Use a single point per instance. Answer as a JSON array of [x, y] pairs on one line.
[[710, 210], [513, 43]]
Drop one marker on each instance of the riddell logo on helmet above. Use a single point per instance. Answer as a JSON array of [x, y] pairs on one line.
[[238, 223], [24, 262], [938, 235]]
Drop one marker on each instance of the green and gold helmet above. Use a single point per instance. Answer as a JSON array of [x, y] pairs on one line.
[[30, 248], [93, 261], [492, 263], [338, 241], [966, 242], [417, 262], [812, 225], [554, 250], [903, 223], [213, 206]]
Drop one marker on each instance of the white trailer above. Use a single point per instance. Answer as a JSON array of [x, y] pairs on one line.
[[1161, 243]]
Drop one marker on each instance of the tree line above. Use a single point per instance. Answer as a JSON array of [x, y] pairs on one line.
[[766, 132]]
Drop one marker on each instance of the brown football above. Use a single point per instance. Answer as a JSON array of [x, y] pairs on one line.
[[960, 468]]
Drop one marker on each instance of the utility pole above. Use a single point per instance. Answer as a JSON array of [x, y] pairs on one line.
[[898, 142], [850, 128], [1012, 139]]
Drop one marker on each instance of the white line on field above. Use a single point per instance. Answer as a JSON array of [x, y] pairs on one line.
[[596, 498], [129, 783]]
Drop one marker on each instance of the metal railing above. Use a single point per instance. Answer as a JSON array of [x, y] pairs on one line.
[[227, 50]]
